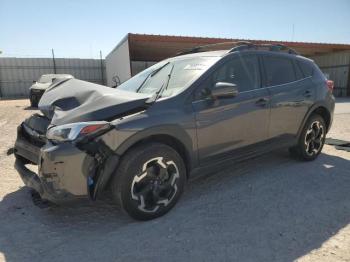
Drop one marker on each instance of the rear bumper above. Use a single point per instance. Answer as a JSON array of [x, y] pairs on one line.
[[332, 107]]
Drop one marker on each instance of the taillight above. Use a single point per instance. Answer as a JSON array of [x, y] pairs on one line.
[[330, 85]]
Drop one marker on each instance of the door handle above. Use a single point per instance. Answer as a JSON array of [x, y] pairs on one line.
[[307, 93], [262, 102]]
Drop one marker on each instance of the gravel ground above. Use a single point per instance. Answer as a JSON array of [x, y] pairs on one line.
[[271, 208]]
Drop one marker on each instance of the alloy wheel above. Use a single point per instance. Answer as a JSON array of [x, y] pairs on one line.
[[156, 185], [314, 138]]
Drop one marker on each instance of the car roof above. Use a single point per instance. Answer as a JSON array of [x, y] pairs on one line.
[[57, 75], [218, 50], [222, 53], [217, 53]]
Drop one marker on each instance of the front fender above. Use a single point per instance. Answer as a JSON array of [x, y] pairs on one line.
[[172, 130]]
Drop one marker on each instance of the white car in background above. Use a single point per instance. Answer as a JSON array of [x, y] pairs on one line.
[[39, 87]]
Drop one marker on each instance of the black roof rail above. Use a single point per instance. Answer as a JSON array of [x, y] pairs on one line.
[[203, 48], [239, 46], [267, 47]]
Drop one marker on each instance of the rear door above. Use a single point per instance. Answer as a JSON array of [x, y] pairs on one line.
[[291, 95], [229, 123]]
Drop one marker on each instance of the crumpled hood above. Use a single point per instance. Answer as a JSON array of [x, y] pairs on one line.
[[73, 100]]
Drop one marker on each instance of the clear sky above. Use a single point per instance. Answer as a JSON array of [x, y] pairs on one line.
[[80, 28]]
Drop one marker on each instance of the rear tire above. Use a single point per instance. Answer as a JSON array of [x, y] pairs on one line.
[[149, 181], [311, 140]]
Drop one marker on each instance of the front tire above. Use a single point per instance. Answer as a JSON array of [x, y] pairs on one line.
[[311, 140], [149, 181]]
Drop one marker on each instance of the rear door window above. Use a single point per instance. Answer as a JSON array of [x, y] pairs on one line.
[[279, 70]]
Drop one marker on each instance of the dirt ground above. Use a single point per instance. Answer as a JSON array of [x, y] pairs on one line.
[[272, 208]]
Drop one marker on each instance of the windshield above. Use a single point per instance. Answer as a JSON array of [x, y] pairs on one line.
[[170, 75]]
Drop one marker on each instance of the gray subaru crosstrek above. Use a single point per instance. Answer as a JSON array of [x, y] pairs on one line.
[[145, 139]]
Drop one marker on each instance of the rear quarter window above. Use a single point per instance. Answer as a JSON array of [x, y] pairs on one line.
[[279, 70], [298, 73], [306, 67]]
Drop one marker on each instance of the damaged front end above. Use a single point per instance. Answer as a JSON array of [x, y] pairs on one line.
[[67, 170], [73, 142]]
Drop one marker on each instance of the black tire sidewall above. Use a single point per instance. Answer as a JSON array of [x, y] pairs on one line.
[[131, 165]]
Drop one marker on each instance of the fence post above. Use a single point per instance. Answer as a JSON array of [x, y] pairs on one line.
[[102, 75], [347, 93], [0, 82], [0, 79], [0, 86], [53, 60]]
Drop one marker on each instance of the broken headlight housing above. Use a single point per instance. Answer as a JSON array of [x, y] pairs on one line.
[[71, 132]]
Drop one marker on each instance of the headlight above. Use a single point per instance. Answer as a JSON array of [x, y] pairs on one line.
[[71, 132]]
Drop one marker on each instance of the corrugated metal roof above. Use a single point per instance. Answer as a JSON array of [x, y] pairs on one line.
[[147, 47]]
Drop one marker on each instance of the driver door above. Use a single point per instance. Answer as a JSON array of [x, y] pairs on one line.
[[226, 124]]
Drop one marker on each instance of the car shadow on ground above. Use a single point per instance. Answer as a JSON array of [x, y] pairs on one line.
[[30, 108], [271, 208]]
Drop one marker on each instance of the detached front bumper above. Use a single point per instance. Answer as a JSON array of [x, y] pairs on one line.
[[61, 175], [66, 171], [29, 178]]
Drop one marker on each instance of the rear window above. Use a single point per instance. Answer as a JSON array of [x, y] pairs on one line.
[[306, 68], [279, 70]]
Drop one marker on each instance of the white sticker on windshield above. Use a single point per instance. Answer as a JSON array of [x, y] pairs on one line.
[[195, 67]]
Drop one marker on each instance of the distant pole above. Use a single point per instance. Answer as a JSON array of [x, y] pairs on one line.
[[102, 75], [0, 80], [53, 60], [293, 33], [348, 92]]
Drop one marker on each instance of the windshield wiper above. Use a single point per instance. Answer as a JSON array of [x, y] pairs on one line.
[[152, 74], [164, 86]]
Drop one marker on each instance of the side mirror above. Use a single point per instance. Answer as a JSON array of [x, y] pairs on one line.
[[224, 90]]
